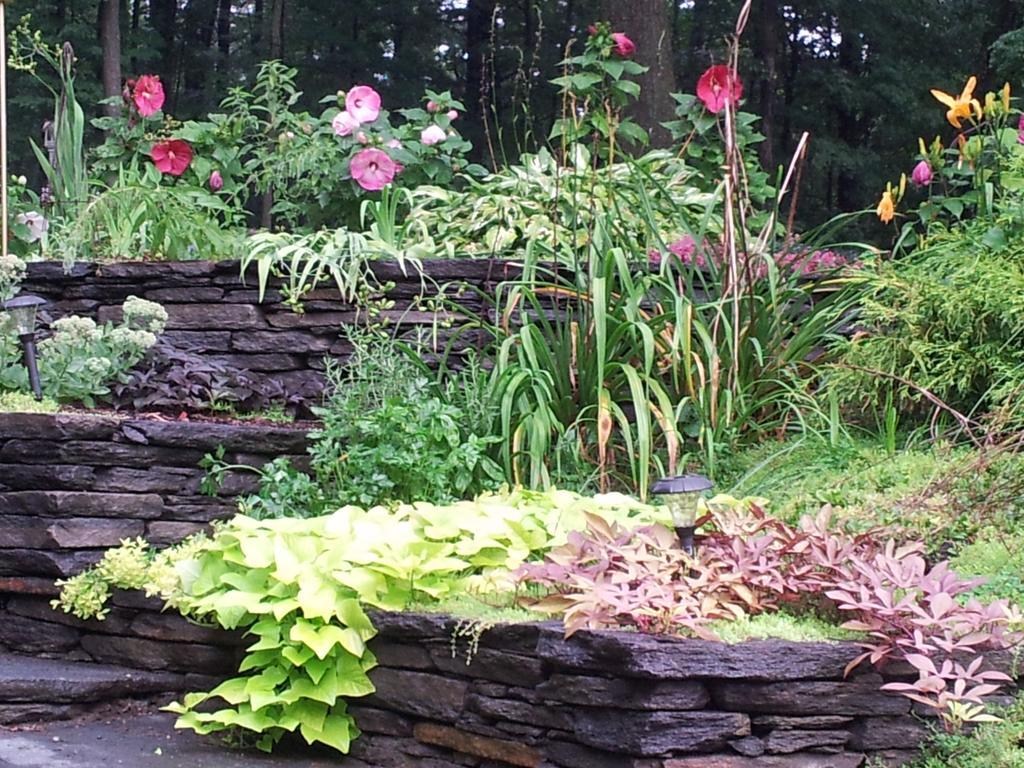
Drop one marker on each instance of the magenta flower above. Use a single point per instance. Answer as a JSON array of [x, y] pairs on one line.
[[216, 181], [718, 86], [363, 104], [148, 95], [922, 174], [173, 156], [372, 169], [1020, 130], [624, 47]]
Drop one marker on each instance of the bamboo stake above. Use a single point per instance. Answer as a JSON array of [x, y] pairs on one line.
[[3, 130]]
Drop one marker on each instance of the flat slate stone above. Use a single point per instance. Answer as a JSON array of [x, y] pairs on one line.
[[207, 436], [784, 742], [809, 698], [153, 654], [417, 693], [25, 679], [768, 761], [651, 734], [670, 658], [880, 733], [624, 694], [81, 504], [503, 750], [488, 664]]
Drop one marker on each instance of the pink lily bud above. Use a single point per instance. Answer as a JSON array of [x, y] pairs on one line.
[[452, 114], [216, 181], [922, 174]]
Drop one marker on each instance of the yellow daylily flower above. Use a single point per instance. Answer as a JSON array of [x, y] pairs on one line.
[[886, 208], [960, 106]]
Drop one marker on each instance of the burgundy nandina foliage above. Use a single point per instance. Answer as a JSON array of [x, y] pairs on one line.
[[751, 563]]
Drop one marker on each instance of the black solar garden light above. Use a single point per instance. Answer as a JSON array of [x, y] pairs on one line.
[[682, 495], [21, 316]]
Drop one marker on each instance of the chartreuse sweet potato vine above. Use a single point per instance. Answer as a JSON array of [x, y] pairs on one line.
[[300, 588]]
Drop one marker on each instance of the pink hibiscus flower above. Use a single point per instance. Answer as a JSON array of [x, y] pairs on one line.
[[372, 169], [148, 95], [624, 47], [363, 103], [718, 86]]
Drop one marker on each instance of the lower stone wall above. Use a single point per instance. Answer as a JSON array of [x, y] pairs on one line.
[[524, 696]]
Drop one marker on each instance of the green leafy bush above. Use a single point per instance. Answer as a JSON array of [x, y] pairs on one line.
[[389, 433], [948, 319], [300, 588], [989, 745]]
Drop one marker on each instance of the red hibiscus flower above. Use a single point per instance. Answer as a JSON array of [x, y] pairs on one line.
[[719, 86], [172, 156], [148, 95], [624, 47]]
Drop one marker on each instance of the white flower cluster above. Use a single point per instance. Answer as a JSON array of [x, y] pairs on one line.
[[126, 338], [76, 329], [12, 272], [145, 315]]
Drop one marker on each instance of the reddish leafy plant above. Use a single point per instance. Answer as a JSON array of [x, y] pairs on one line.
[[751, 563]]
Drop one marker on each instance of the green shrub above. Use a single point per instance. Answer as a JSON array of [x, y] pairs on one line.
[[389, 433], [947, 319]]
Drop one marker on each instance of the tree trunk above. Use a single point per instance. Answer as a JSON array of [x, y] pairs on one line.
[[276, 29], [224, 31], [646, 23], [478, 37], [766, 45], [110, 43]]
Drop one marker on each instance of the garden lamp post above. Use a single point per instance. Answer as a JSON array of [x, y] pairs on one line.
[[681, 495], [21, 314]]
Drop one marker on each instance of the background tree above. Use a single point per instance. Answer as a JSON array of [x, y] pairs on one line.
[[855, 74]]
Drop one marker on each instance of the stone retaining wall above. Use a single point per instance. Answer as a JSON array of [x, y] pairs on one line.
[[527, 697], [73, 484], [215, 314]]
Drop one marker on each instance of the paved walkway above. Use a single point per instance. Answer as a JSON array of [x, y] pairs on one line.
[[135, 741]]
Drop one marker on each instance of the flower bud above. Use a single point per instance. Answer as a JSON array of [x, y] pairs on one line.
[[922, 174], [216, 181], [452, 114], [432, 106]]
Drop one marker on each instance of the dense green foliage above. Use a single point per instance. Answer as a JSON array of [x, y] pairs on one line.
[[300, 588]]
